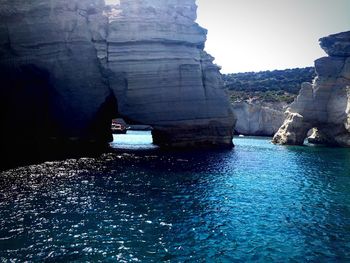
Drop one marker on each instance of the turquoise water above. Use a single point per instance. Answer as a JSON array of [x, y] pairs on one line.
[[258, 202]]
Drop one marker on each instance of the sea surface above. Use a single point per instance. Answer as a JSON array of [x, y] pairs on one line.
[[258, 202]]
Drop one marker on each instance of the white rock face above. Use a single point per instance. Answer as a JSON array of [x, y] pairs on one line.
[[256, 119], [66, 69], [171, 83], [325, 103]]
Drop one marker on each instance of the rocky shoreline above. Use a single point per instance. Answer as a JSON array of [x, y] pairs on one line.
[[325, 103]]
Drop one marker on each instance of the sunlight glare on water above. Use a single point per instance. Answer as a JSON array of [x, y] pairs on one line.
[[135, 140], [258, 202]]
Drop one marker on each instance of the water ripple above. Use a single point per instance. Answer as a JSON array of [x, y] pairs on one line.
[[258, 202]]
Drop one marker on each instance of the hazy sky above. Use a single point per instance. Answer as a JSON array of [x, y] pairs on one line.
[[254, 35]]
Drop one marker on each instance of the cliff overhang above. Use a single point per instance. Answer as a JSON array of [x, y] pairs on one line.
[[69, 67]]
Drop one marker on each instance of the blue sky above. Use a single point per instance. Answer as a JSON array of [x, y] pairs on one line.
[[255, 35]]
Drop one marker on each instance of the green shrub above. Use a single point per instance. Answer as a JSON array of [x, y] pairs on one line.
[[270, 86]]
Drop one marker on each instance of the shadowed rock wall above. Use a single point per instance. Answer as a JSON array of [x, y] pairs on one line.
[[52, 89], [323, 104], [64, 65]]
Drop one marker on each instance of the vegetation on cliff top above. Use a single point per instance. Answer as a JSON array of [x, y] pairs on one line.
[[269, 86]]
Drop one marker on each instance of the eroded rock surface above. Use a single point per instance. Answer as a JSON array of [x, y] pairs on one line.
[[324, 104], [64, 65], [52, 89], [257, 118], [317, 137], [171, 83]]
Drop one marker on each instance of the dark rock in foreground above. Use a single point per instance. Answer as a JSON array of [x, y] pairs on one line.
[[68, 67]]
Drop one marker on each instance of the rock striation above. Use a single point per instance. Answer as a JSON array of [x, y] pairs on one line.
[[258, 118], [69, 66], [171, 83], [52, 87], [325, 103]]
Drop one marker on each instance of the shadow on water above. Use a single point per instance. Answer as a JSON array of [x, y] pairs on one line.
[[191, 160], [258, 202]]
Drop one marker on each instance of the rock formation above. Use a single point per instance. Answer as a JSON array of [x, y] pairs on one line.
[[64, 67], [171, 83], [52, 89], [317, 137], [325, 103], [257, 118]]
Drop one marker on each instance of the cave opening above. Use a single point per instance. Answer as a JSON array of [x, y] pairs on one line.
[[128, 136], [317, 136]]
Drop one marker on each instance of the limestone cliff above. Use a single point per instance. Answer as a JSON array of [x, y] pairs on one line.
[[65, 64], [171, 83], [258, 118], [324, 104], [52, 89]]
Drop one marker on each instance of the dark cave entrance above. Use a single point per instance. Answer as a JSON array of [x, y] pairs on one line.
[[317, 136]]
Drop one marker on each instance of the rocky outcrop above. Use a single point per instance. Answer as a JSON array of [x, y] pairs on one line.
[[52, 89], [324, 104], [257, 118], [64, 66], [317, 137], [171, 83]]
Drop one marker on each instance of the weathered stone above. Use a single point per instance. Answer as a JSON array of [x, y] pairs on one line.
[[328, 67], [293, 131], [346, 69], [337, 45], [47, 44], [257, 119], [65, 64], [318, 137], [325, 103], [171, 83]]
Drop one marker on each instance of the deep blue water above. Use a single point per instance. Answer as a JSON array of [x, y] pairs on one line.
[[258, 202]]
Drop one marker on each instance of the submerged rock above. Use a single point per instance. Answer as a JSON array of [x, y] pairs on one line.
[[325, 103], [68, 67]]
